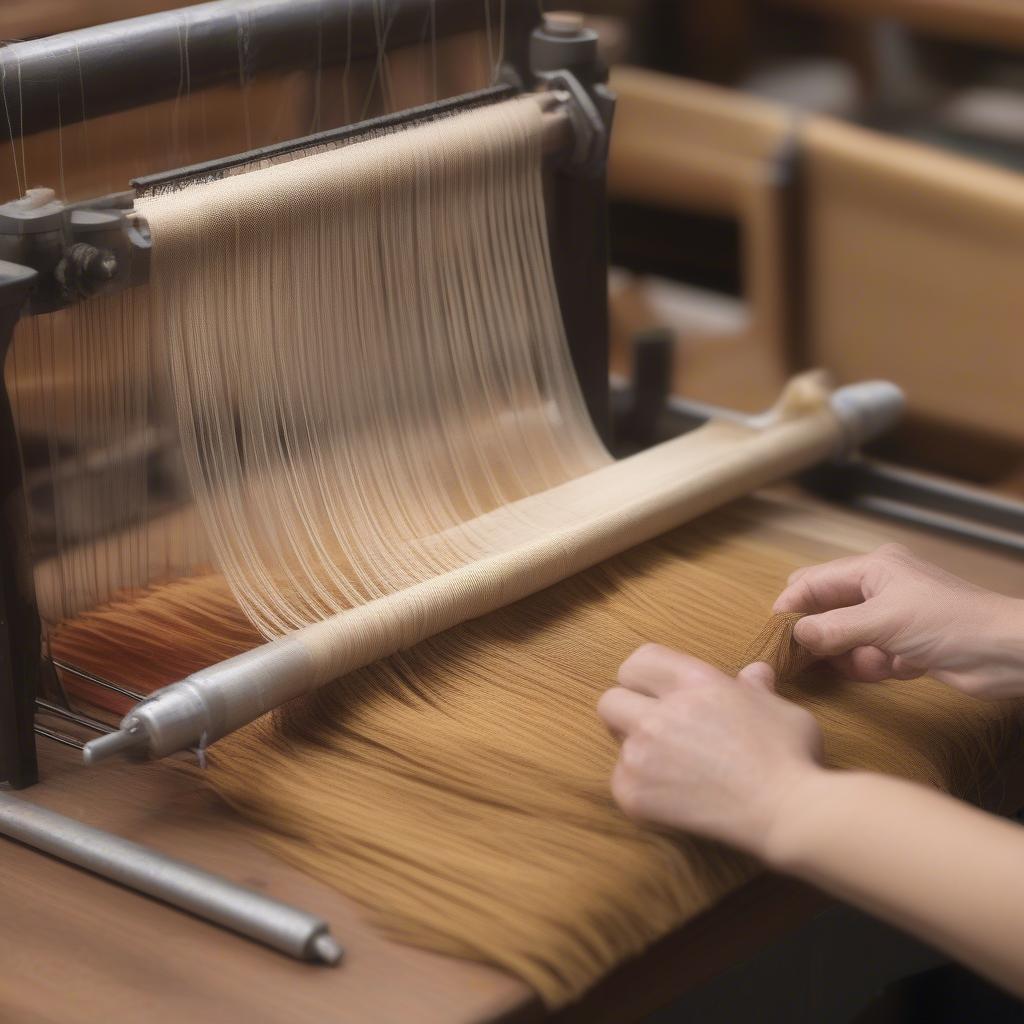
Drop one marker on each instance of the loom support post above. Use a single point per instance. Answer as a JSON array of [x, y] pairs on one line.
[[564, 57], [50, 254], [19, 618]]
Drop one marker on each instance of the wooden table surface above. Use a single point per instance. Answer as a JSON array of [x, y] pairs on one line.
[[76, 948]]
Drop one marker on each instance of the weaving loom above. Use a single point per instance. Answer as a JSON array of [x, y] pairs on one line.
[[324, 420]]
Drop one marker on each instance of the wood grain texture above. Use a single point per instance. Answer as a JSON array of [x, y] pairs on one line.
[[1000, 22], [913, 278], [684, 145], [73, 947]]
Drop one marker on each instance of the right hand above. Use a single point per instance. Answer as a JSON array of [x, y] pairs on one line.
[[707, 753], [889, 615]]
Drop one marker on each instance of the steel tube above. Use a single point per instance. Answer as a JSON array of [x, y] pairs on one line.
[[214, 899], [78, 75]]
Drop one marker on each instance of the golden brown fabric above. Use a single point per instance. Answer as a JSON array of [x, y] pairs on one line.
[[460, 790], [775, 645]]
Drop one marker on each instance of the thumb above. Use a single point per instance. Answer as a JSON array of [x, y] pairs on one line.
[[758, 674], [839, 631]]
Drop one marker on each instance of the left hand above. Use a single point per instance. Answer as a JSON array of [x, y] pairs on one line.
[[704, 752]]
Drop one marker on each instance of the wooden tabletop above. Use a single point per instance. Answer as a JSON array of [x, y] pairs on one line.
[[76, 948]]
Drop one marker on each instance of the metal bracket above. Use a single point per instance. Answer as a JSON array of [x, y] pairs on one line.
[[77, 251], [564, 57]]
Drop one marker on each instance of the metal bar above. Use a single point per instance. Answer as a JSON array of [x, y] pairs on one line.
[[58, 737], [96, 680], [923, 500], [70, 716], [878, 487], [188, 888], [83, 74]]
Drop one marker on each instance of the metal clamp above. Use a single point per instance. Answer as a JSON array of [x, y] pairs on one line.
[[77, 251], [564, 57]]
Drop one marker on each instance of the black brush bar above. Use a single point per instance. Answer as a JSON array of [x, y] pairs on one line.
[[78, 75]]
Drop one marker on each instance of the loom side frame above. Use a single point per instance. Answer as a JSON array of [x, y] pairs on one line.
[[20, 655]]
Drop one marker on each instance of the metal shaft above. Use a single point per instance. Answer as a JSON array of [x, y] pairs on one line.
[[275, 924]]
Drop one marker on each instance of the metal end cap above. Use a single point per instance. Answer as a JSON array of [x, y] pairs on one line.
[[867, 410], [124, 741], [324, 948]]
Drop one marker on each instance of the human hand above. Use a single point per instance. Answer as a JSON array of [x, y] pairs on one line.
[[889, 614], [704, 752]]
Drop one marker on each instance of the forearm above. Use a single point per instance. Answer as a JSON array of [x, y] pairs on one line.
[[940, 869]]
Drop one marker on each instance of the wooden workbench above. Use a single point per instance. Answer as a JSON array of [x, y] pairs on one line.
[[76, 948]]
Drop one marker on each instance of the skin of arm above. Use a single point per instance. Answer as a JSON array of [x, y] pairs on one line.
[[730, 759], [938, 868]]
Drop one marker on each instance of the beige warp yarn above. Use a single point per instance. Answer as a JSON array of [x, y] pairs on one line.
[[381, 429], [366, 353]]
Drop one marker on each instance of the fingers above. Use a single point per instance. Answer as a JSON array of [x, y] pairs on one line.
[[621, 710], [872, 665], [866, 664], [902, 669], [758, 674], [655, 670], [841, 630], [820, 588]]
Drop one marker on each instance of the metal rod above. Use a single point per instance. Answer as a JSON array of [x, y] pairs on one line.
[[71, 716], [58, 737], [123, 741], [105, 684], [214, 899], [74, 76], [924, 500]]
